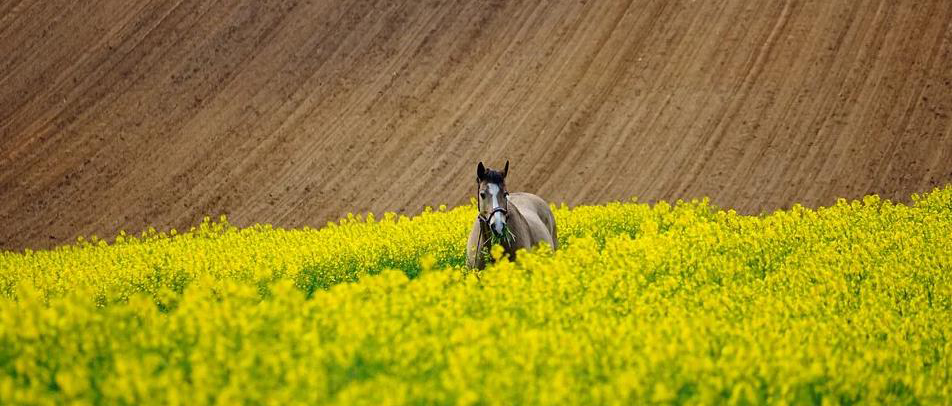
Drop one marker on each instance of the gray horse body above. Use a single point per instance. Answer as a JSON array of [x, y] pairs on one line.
[[530, 221]]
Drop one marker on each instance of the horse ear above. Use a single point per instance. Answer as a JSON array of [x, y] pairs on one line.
[[505, 171], [480, 172]]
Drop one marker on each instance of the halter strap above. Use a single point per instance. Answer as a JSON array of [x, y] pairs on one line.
[[491, 213]]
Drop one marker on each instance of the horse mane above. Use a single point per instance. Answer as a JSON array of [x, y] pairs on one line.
[[492, 176]]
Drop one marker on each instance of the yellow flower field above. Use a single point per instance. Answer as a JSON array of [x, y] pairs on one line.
[[682, 303]]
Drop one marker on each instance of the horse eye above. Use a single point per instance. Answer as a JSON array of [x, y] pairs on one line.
[[482, 194]]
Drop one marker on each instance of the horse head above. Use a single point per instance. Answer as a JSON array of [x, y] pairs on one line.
[[493, 198]]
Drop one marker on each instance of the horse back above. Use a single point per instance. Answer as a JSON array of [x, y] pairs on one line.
[[538, 215]]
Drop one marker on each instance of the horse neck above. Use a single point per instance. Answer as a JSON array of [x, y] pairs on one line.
[[518, 227]]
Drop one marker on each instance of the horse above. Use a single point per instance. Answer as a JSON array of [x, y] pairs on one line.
[[516, 220]]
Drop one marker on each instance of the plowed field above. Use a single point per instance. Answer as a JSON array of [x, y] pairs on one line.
[[124, 114]]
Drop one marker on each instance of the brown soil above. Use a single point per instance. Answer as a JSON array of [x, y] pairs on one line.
[[123, 114]]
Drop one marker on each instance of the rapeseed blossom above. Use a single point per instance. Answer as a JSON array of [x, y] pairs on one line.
[[667, 303]]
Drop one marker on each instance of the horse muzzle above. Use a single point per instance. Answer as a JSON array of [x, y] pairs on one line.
[[496, 220], [498, 227]]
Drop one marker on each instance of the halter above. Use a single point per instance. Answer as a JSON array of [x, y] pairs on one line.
[[491, 213]]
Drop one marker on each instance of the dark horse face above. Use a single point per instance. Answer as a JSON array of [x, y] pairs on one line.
[[493, 197]]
